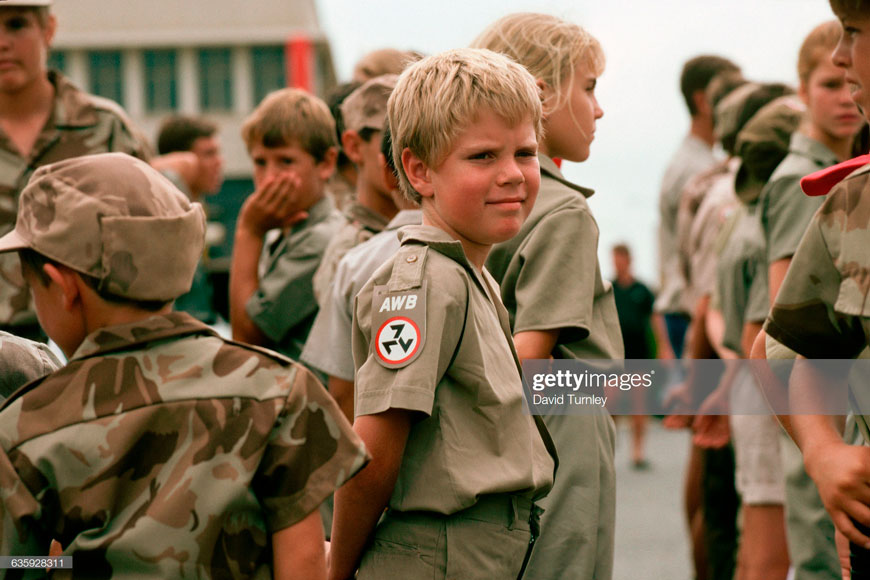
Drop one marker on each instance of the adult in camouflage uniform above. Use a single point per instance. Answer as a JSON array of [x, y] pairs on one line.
[[43, 119], [161, 449]]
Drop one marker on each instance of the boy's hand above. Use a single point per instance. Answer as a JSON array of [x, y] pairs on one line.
[[843, 554], [272, 206], [842, 474]]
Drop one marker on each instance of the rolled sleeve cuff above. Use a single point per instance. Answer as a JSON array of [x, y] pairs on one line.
[[408, 398]]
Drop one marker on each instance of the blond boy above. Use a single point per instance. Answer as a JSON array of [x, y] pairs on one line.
[[457, 463]]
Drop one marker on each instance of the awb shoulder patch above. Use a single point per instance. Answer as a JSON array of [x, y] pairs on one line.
[[398, 325]]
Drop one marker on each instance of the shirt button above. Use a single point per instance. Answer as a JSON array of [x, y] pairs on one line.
[[411, 259]]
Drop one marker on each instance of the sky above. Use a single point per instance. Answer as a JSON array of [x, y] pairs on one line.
[[645, 42]]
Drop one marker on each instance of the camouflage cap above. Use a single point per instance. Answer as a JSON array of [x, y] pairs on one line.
[[727, 113], [115, 218], [763, 143], [366, 107]]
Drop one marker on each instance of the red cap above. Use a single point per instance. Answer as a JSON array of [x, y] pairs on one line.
[[821, 182]]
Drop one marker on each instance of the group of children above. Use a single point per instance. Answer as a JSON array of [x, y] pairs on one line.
[[161, 449]]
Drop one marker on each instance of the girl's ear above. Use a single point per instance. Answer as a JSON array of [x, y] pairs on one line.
[[546, 92], [419, 174]]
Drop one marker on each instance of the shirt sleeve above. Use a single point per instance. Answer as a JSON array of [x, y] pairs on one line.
[[803, 317], [788, 212], [555, 288], [328, 347], [411, 387], [285, 296], [312, 451]]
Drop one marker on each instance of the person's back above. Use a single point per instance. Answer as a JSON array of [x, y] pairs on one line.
[[22, 361], [44, 118], [694, 155], [160, 449]]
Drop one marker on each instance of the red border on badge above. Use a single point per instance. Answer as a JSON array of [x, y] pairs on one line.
[[378, 335]]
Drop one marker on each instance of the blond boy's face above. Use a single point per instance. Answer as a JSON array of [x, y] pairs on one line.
[[485, 187], [853, 55], [310, 175]]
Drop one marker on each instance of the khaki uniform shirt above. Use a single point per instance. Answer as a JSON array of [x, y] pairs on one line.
[[362, 223], [22, 361], [328, 348], [716, 200], [283, 306], [785, 210], [822, 310], [79, 124], [691, 158], [164, 451], [550, 275], [742, 276], [461, 374]]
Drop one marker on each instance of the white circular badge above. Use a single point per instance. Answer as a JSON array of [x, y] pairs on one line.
[[397, 340]]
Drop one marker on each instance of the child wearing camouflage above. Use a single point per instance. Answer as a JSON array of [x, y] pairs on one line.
[[821, 311], [160, 450]]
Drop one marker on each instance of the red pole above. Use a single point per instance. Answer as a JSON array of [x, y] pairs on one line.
[[299, 60]]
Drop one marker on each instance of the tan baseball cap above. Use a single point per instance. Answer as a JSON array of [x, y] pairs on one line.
[[115, 218], [764, 142], [366, 107], [25, 3]]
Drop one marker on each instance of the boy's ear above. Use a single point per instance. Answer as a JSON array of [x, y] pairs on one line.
[[68, 282], [350, 144], [702, 106], [418, 173], [326, 166]]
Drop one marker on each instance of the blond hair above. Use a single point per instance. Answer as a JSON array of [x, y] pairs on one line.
[[437, 97], [291, 117], [817, 48], [549, 47]]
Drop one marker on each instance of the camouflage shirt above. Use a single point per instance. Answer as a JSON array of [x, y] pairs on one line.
[[822, 309], [164, 451], [80, 124]]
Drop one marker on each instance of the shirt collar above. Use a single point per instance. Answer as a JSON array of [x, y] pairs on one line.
[[71, 109], [366, 217], [316, 213], [133, 335], [809, 147], [406, 217], [549, 168]]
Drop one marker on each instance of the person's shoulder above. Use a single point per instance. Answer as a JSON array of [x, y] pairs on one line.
[[847, 206]]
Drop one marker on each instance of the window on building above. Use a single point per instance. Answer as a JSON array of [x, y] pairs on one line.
[[57, 60], [268, 70], [216, 79], [161, 86], [106, 74]]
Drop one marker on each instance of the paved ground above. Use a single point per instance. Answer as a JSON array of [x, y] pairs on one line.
[[651, 539]]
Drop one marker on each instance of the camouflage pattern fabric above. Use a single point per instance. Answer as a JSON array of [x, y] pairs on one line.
[[100, 215], [362, 223], [185, 470], [22, 361], [80, 124], [822, 309]]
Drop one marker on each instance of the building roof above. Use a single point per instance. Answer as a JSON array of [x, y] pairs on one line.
[[96, 23]]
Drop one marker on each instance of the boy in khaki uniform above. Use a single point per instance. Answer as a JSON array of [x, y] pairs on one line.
[[457, 461], [364, 112], [160, 450], [285, 225]]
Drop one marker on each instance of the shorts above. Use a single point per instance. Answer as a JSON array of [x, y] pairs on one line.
[[759, 475], [488, 540]]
